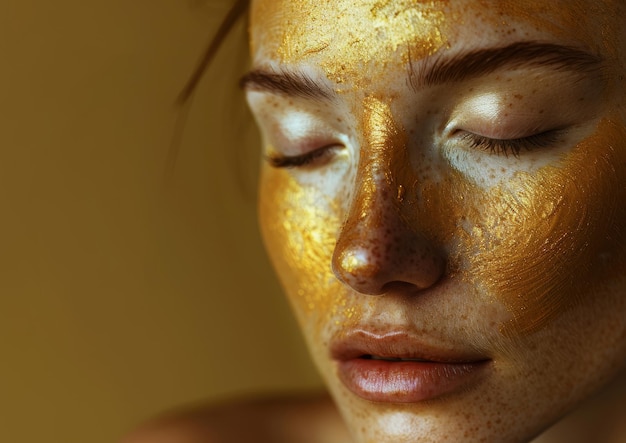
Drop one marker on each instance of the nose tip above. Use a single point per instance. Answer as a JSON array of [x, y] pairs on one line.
[[376, 265], [356, 268]]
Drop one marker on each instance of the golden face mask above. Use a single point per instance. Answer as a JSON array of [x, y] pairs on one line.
[[536, 243]]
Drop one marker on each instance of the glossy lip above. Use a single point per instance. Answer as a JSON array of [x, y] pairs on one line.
[[433, 372]]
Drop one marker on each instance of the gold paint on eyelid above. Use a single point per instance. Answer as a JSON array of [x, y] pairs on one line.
[[351, 35]]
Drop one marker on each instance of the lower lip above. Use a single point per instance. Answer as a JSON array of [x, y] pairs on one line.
[[407, 381]]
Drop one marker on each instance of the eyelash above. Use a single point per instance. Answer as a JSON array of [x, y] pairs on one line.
[[298, 161], [512, 147], [504, 147]]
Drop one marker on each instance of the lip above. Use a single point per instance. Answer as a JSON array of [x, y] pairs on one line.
[[374, 366]]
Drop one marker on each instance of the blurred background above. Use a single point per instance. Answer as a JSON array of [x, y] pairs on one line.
[[129, 285]]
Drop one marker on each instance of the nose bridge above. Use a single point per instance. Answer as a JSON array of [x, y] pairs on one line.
[[382, 169], [378, 243]]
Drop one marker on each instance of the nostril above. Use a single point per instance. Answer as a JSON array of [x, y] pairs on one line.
[[399, 271], [401, 287]]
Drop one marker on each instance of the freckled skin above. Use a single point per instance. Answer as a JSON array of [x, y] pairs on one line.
[[522, 259]]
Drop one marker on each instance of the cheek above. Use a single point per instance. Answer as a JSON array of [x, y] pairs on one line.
[[546, 241], [299, 225]]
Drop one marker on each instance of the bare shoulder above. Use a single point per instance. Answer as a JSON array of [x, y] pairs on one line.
[[311, 418]]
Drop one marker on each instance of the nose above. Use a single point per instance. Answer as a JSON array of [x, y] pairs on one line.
[[380, 247]]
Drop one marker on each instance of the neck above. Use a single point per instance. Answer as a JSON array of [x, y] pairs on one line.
[[599, 419]]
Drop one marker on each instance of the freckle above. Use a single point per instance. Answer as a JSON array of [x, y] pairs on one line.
[[339, 120], [518, 96], [541, 111], [510, 105]]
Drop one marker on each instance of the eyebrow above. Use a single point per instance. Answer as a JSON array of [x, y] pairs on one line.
[[477, 63], [440, 70], [289, 83]]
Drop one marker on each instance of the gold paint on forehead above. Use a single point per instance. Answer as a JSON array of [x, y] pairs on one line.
[[300, 226], [349, 36]]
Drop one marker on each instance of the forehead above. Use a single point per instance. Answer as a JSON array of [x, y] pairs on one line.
[[348, 34], [341, 36]]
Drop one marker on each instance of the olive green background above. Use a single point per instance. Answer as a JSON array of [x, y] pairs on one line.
[[127, 289]]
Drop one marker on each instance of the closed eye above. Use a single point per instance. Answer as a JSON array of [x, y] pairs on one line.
[[514, 146], [317, 157]]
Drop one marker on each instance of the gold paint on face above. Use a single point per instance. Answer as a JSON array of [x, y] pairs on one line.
[[593, 25], [537, 243], [299, 226], [543, 240], [529, 224], [359, 36], [543, 247], [384, 146], [380, 234], [541, 255], [557, 233]]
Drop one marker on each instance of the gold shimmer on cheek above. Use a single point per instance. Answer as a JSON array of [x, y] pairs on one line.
[[542, 241], [545, 239], [556, 234], [299, 226], [350, 36]]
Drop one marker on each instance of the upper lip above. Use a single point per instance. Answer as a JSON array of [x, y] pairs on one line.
[[397, 344]]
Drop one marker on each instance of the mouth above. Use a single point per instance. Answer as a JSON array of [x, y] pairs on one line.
[[398, 367], [394, 359]]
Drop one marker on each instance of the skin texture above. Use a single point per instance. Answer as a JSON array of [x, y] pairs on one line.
[[403, 222]]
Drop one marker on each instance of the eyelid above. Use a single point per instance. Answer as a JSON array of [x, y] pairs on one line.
[[316, 157], [513, 146], [523, 105], [501, 125]]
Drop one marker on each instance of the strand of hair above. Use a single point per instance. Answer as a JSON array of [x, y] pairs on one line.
[[235, 12]]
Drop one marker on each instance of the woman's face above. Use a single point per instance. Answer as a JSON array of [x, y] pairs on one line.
[[443, 201]]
